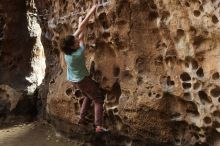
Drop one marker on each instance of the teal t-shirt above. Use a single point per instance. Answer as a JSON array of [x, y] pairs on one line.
[[76, 68]]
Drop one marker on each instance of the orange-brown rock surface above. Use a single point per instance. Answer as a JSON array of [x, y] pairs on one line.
[[157, 60]]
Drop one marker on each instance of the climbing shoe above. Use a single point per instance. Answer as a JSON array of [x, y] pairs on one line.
[[100, 129]]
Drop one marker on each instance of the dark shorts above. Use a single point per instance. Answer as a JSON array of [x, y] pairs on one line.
[[91, 89]]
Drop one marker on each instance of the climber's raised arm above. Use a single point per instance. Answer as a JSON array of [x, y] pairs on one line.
[[84, 22], [81, 35]]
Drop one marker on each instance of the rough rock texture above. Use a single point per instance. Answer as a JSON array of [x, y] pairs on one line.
[[22, 59], [157, 60]]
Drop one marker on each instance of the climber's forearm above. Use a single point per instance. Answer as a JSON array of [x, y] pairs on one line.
[[85, 21], [81, 35]]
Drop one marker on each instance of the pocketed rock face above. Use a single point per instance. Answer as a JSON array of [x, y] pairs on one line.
[[158, 62], [22, 60]]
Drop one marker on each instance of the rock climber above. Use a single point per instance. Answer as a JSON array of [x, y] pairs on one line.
[[73, 48]]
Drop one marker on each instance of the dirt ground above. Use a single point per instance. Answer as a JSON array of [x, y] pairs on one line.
[[33, 134]]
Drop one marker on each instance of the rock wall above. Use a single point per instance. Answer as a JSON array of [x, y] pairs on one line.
[[22, 59], [157, 61]]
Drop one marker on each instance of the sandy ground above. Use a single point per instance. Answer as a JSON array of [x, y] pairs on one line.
[[33, 134]]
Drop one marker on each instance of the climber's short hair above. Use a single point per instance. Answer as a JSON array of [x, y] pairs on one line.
[[67, 43]]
